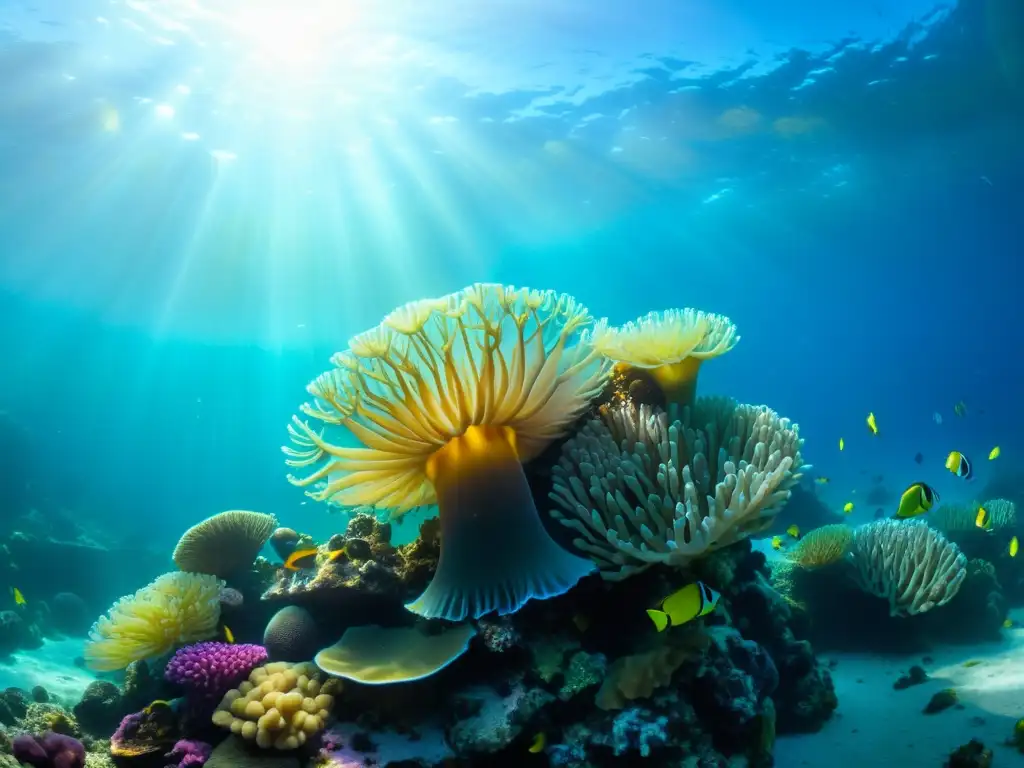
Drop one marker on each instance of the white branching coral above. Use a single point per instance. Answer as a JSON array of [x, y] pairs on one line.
[[640, 487], [448, 397], [908, 563]]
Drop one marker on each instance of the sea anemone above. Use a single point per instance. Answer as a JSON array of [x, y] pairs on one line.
[[822, 546], [176, 609], [670, 346], [641, 486], [449, 397]]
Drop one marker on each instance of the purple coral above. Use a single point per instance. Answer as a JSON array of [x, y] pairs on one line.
[[209, 670], [188, 754], [51, 750]]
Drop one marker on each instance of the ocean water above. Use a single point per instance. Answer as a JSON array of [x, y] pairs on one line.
[[201, 202]]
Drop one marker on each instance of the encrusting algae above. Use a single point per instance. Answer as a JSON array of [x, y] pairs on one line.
[[449, 397]]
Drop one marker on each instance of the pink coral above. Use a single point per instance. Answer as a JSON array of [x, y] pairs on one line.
[[209, 670]]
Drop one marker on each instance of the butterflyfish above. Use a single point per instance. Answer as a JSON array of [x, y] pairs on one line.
[[993, 454], [872, 424], [157, 704], [1014, 546], [960, 409], [19, 599], [776, 542], [848, 507], [916, 500], [686, 604], [842, 443], [983, 519], [794, 531], [229, 636], [959, 465], [538, 743], [301, 559], [822, 480]]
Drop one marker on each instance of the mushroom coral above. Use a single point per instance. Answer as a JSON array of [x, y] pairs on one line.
[[670, 345], [176, 609], [641, 486], [449, 397]]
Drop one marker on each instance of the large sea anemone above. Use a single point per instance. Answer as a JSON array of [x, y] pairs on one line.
[[448, 398]]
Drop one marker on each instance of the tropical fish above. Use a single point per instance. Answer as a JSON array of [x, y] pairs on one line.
[[337, 554], [1014, 546], [848, 507], [1009, 624], [842, 444], [972, 663], [157, 705], [794, 531], [776, 542], [916, 500], [959, 465], [686, 604], [872, 424], [994, 454], [229, 636], [918, 457], [301, 559], [960, 409], [937, 417], [19, 599], [822, 480], [983, 519], [538, 743]]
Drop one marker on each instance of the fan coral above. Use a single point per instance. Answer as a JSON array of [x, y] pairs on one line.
[[910, 564], [641, 489], [210, 669], [224, 544], [822, 546], [175, 609], [280, 705], [670, 345], [381, 655], [448, 397]]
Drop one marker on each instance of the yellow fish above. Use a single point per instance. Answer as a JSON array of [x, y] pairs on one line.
[[19, 599], [1014, 546], [993, 454], [776, 542], [229, 636], [822, 480], [842, 444], [301, 559], [157, 704], [972, 663], [686, 604], [848, 507], [916, 500], [1008, 624], [794, 531], [538, 743], [960, 409], [872, 424], [983, 520], [959, 465]]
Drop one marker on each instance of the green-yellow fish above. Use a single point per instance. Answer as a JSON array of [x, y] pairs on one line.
[[916, 500], [693, 600]]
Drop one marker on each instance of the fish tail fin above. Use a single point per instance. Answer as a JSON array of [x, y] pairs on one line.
[[660, 619]]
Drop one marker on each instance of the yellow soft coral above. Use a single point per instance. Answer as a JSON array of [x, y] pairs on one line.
[[822, 546], [669, 345], [176, 609]]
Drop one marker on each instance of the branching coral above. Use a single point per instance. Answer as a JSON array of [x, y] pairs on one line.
[[176, 609], [670, 345], [642, 488], [224, 543], [448, 397], [280, 705], [822, 546], [909, 563]]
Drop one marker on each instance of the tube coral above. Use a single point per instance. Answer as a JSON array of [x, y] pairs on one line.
[[176, 609], [640, 487], [448, 397], [670, 345], [908, 563]]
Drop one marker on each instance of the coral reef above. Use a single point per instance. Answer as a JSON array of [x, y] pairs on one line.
[[291, 634], [210, 669], [225, 543], [822, 546], [101, 708], [188, 753], [51, 750]]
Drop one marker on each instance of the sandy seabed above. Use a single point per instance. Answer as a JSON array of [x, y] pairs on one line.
[[52, 667]]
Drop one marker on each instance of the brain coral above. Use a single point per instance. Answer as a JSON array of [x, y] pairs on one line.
[[280, 705], [642, 487], [449, 397], [175, 609], [291, 635], [225, 543]]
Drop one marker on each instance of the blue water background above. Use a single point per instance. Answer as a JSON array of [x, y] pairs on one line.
[[161, 312]]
